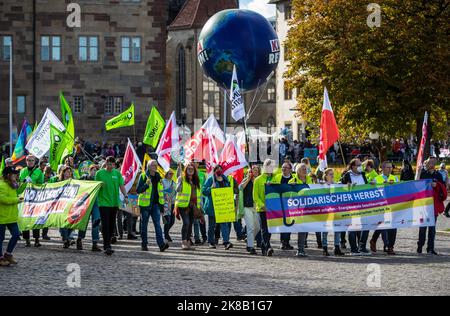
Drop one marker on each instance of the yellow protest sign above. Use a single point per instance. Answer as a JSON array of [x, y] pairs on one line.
[[224, 206]]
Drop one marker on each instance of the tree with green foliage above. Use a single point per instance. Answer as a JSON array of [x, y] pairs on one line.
[[379, 78]]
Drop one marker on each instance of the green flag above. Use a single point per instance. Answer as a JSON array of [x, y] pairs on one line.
[[122, 120], [2, 166], [67, 120], [58, 144], [154, 129]]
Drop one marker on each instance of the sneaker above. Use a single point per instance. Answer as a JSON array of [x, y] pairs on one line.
[[385, 249], [37, 243], [373, 246], [95, 248], [144, 248], [289, 247], [301, 254], [66, 244], [46, 238], [356, 254], [4, 263], [419, 250], [212, 246], [164, 247], [109, 252], [432, 252], [252, 251], [27, 243], [190, 242], [10, 258], [338, 252], [185, 245], [365, 252], [228, 246], [269, 252], [79, 244]]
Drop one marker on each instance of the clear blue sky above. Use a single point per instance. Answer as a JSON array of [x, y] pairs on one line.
[[260, 6]]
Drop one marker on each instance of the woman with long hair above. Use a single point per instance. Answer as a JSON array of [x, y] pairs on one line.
[[187, 202]]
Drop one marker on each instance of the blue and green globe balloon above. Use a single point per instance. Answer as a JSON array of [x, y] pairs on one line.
[[238, 37]]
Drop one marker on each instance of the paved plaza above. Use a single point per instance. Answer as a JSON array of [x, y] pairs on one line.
[[43, 271]]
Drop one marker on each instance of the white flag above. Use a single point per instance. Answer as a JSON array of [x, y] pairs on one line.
[[39, 143], [237, 104]]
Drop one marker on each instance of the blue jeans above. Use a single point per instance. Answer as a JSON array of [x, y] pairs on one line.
[[14, 230], [199, 229], [362, 242], [95, 222], [238, 228], [223, 228], [155, 213], [337, 239]]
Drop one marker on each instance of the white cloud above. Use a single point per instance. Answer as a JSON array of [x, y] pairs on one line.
[[260, 6]]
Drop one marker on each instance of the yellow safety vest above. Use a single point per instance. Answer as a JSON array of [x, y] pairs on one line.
[[184, 197], [380, 179], [144, 198], [296, 180]]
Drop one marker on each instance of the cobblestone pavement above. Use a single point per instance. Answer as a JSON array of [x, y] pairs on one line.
[[42, 271]]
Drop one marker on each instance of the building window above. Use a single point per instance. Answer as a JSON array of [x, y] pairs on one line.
[[6, 42], [287, 93], [50, 48], [211, 99], [287, 11], [181, 85], [131, 49], [78, 104], [21, 104], [271, 93], [88, 48], [113, 105]]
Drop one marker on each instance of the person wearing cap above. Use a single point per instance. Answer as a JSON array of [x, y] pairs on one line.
[[9, 162], [30, 174], [9, 213]]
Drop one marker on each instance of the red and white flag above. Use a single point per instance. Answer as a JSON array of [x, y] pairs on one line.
[[329, 132], [130, 167], [206, 144], [422, 146], [170, 138], [232, 159]]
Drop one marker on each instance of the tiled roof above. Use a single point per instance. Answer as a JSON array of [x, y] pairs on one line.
[[195, 13]]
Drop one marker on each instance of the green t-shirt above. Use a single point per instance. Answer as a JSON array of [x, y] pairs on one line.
[[109, 193], [36, 175]]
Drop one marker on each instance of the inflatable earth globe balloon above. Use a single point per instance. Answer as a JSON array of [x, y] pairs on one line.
[[238, 37]]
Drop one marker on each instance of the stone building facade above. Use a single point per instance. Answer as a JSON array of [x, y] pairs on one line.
[[116, 57]]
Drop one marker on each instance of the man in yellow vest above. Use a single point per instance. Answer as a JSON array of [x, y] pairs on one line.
[[389, 235], [151, 201]]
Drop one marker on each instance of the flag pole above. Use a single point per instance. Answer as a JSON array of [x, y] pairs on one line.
[[225, 111], [342, 153], [10, 98]]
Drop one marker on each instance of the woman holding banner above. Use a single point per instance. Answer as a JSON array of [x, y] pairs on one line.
[[95, 216], [187, 202], [9, 214], [217, 180], [328, 177], [301, 177]]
